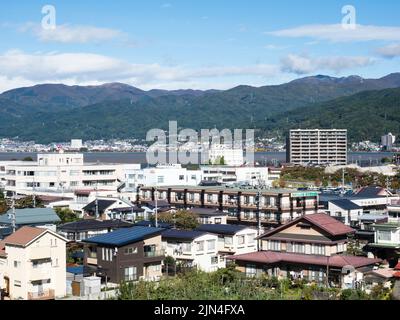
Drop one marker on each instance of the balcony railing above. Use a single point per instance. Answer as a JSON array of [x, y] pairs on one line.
[[152, 254], [43, 295]]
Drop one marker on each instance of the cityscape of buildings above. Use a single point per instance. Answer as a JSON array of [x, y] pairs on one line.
[[347, 238]]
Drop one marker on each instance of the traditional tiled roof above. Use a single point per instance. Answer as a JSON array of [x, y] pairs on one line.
[[338, 261], [346, 204], [83, 225], [321, 220], [174, 234], [229, 229]]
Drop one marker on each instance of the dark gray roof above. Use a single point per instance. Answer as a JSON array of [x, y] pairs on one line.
[[174, 234], [101, 203], [228, 229], [83, 225], [370, 192], [346, 204], [207, 212], [125, 236], [160, 204], [31, 216], [148, 223]]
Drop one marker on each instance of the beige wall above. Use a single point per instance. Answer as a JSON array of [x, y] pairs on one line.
[[44, 247]]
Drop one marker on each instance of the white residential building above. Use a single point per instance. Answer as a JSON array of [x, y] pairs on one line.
[[33, 264], [232, 174], [193, 249], [232, 239], [62, 174], [317, 146], [230, 156], [162, 175], [345, 211]]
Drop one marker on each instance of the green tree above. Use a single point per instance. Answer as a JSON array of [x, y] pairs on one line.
[[66, 215], [182, 219], [27, 159]]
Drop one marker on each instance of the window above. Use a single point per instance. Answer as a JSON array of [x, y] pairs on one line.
[[251, 270], [295, 247], [384, 235], [74, 183], [160, 179], [181, 177], [130, 274], [228, 241], [211, 244], [340, 247], [217, 220], [241, 240], [251, 238], [186, 247], [200, 246], [17, 283], [193, 177], [318, 249], [107, 254], [221, 258], [52, 184], [214, 260], [17, 264], [130, 250], [274, 245]]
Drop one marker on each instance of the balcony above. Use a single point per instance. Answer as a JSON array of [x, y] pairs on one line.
[[43, 295], [38, 253], [154, 254]]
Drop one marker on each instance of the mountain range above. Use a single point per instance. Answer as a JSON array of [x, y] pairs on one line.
[[56, 112]]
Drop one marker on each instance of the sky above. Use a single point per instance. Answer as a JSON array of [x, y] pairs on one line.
[[197, 44]]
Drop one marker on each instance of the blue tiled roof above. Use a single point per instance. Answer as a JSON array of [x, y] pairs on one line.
[[31, 216], [182, 234], [125, 236], [346, 204], [230, 229]]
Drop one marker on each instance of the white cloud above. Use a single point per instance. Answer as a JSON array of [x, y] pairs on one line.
[[337, 33], [20, 69], [73, 33], [303, 64], [390, 51]]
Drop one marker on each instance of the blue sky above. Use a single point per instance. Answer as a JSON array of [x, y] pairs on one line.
[[198, 44]]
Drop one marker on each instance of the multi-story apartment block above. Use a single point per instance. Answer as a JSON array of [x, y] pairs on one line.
[[33, 264], [62, 173], [193, 249], [275, 205], [229, 156], [231, 174], [317, 146], [127, 254]]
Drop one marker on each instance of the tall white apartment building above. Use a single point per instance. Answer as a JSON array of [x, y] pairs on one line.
[[62, 173], [387, 141], [317, 146]]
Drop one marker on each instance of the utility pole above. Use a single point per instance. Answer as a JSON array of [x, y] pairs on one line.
[[258, 198], [343, 182], [34, 191], [13, 217], [387, 191], [97, 203], [156, 208]]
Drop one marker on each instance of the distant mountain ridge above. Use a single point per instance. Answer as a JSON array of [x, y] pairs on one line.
[[56, 112]]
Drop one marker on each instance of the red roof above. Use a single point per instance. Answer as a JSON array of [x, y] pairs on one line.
[[397, 267], [396, 274], [24, 235], [320, 220], [339, 261]]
